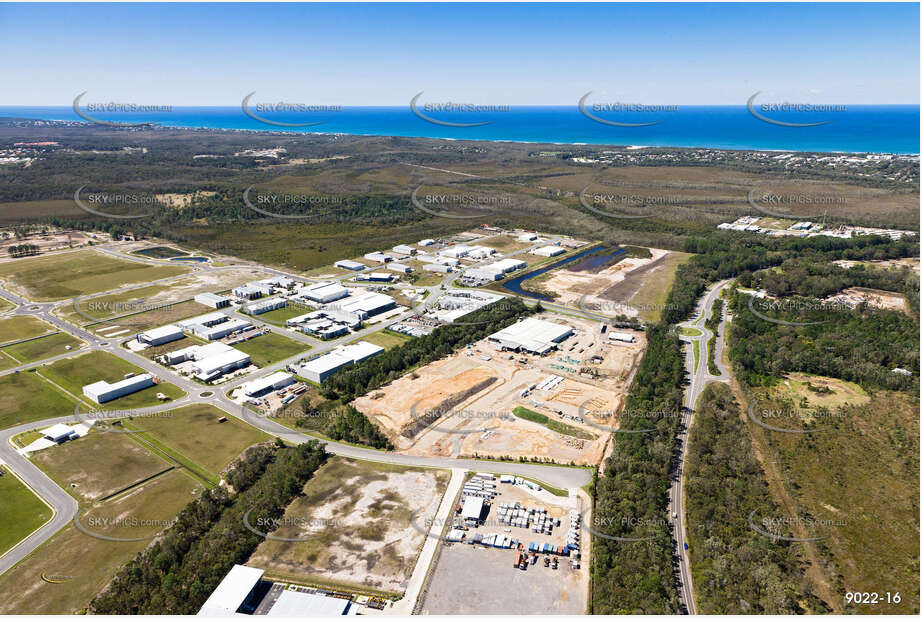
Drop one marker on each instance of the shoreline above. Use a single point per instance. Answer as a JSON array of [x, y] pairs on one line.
[[627, 147]]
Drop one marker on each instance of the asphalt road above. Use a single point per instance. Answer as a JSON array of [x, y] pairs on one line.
[[700, 377], [66, 507]]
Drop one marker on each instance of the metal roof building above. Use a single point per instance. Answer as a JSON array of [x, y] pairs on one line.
[[532, 335], [215, 301], [366, 305], [161, 335], [234, 593], [325, 292], [102, 391], [349, 265], [324, 366], [260, 386]]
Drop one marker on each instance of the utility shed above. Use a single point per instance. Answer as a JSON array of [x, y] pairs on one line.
[[472, 513]]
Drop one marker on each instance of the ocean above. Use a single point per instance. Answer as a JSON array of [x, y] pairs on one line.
[[859, 128]]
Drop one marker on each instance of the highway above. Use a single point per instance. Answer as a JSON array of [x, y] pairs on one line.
[[700, 377], [66, 507]]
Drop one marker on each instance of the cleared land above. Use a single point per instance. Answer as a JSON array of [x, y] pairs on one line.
[[26, 397], [77, 273], [386, 339], [353, 526], [21, 327], [271, 348], [194, 434], [100, 463], [45, 347], [279, 316], [21, 511], [72, 374], [82, 564]]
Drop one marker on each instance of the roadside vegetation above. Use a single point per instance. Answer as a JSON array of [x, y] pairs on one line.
[[551, 424]]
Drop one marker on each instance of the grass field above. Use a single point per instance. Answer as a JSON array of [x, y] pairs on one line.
[[83, 564], [26, 397], [553, 425], [100, 463], [278, 316], [689, 332], [386, 339], [46, 347], [6, 362], [271, 348], [71, 274], [110, 305], [22, 327], [73, 374], [193, 435], [21, 512], [653, 291], [5, 304], [159, 253]]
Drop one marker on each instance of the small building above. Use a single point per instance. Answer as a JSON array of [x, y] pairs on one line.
[[161, 335], [426, 242], [436, 268], [59, 433], [102, 391], [548, 251], [472, 512], [212, 366], [268, 384], [269, 304], [623, 337], [376, 277], [456, 251], [527, 237], [377, 256], [215, 301], [349, 265], [481, 253], [404, 250], [400, 268], [247, 292], [333, 361]]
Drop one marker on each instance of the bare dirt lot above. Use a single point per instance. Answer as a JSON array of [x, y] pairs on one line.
[[352, 527], [879, 299], [463, 405]]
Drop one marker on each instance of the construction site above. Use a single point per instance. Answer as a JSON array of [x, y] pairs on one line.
[[486, 400]]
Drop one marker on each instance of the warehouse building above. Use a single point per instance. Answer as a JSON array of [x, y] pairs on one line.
[[404, 250], [349, 265], [270, 304], [480, 253], [426, 242], [208, 319], [248, 292], [472, 512], [102, 391], [527, 237], [215, 301], [624, 337], [531, 335], [479, 276], [377, 256], [60, 433], [375, 277], [268, 384], [323, 293], [400, 268], [455, 304], [506, 266], [161, 335], [325, 324], [220, 330], [436, 268], [322, 367], [212, 364], [366, 305], [455, 252], [548, 251]]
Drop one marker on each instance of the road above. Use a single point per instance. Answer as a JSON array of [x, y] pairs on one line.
[[66, 507], [700, 377]]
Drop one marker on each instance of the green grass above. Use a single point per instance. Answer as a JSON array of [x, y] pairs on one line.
[[193, 435], [553, 425], [386, 339], [46, 347], [278, 316], [72, 374], [696, 353], [25, 397], [21, 512], [110, 305], [271, 348], [21, 327], [689, 332], [67, 275], [26, 438]]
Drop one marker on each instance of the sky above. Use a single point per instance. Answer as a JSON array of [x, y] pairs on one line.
[[511, 54]]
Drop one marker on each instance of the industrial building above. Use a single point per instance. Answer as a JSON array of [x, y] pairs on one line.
[[624, 337], [208, 319], [455, 304], [161, 335], [325, 324], [479, 276], [548, 251], [349, 265], [248, 292], [215, 301], [243, 592], [436, 268], [220, 330], [377, 256], [264, 306], [59, 433], [531, 335], [375, 277], [102, 391], [268, 384], [527, 237], [322, 367], [209, 361], [506, 266], [456, 252], [404, 250], [365, 305], [481, 253], [472, 512], [426, 242], [325, 292], [400, 268]]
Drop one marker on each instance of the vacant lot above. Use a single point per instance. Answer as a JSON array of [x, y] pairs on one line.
[[77, 273], [271, 348], [279, 316], [22, 327], [100, 463], [45, 347], [26, 397], [194, 433], [811, 391], [73, 374], [83, 564], [353, 526], [386, 339], [21, 512]]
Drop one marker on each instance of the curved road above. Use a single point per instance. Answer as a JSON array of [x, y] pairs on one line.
[[700, 377]]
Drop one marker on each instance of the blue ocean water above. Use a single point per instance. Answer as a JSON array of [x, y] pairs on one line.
[[858, 128]]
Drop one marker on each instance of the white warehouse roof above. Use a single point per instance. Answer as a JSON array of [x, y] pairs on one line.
[[163, 331], [531, 334], [232, 591]]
